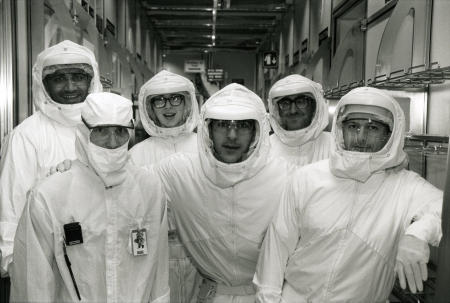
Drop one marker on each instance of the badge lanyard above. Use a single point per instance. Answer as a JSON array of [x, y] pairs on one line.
[[72, 236], [66, 257]]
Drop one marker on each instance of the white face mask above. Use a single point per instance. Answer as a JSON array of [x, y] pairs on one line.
[[71, 112], [67, 114], [107, 161]]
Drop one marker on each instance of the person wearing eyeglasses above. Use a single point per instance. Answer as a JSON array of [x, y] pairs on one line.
[[348, 225], [168, 111], [96, 233], [298, 116], [63, 75], [223, 197]]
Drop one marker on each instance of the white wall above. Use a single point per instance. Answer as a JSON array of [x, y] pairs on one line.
[[439, 97]]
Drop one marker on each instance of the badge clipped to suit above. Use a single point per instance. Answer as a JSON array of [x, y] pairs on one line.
[[139, 241], [73, 234]]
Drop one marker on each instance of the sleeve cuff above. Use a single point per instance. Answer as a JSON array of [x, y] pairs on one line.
[[427, 229], [7, 231], [268, 295]]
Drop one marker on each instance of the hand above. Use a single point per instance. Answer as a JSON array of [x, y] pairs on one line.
[[412, 259], [60, 167]]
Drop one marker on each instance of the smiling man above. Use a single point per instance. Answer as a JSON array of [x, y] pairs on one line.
[[63, 76], [67, 83]]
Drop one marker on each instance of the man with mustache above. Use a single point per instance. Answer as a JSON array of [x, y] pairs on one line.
[[63, 76], [298, 116]]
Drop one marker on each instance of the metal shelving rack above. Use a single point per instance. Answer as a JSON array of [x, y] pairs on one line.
[[339, 91], [426, 145], [415, 77]]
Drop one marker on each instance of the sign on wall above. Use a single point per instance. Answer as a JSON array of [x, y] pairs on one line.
[[215, 75], [270, 59], [194, 66]]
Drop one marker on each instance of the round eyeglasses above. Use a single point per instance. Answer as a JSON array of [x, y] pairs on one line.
[[160, 101], [300, 101]]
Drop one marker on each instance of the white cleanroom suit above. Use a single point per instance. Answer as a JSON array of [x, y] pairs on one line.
[[337, 230], [111, 199], [306, 145], [163, 142], [222, 210], [40, 141]]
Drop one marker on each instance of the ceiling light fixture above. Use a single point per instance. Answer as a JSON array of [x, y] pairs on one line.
[[214, 18]]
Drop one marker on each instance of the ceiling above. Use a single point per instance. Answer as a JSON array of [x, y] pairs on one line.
[[199, 25]]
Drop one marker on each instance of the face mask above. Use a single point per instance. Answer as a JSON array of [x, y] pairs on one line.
[[71, 112], [106, 160], [66, 114]]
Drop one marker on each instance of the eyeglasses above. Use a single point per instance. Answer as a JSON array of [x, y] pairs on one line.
[[241, 126], [106, 136], [58, 78], [103, 135], [161, 101], [91, 127], [300, 101]]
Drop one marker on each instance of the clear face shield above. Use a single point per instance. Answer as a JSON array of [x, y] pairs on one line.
[[233, 140], [67, 83], [366, 132], [168, 110], [295, 111]]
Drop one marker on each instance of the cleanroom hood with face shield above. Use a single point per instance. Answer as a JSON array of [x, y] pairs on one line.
[[233, 102], [166, 82], [65, 52], [360, 165], [296, 84]]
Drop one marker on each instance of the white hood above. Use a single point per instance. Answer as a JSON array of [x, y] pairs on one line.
[[295, 84], [42, 100], [359, 165], [104, 109], [166, 82], [233, 102]]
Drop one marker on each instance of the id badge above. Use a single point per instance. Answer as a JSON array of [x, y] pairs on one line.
[[139, 242], [72, 233]]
